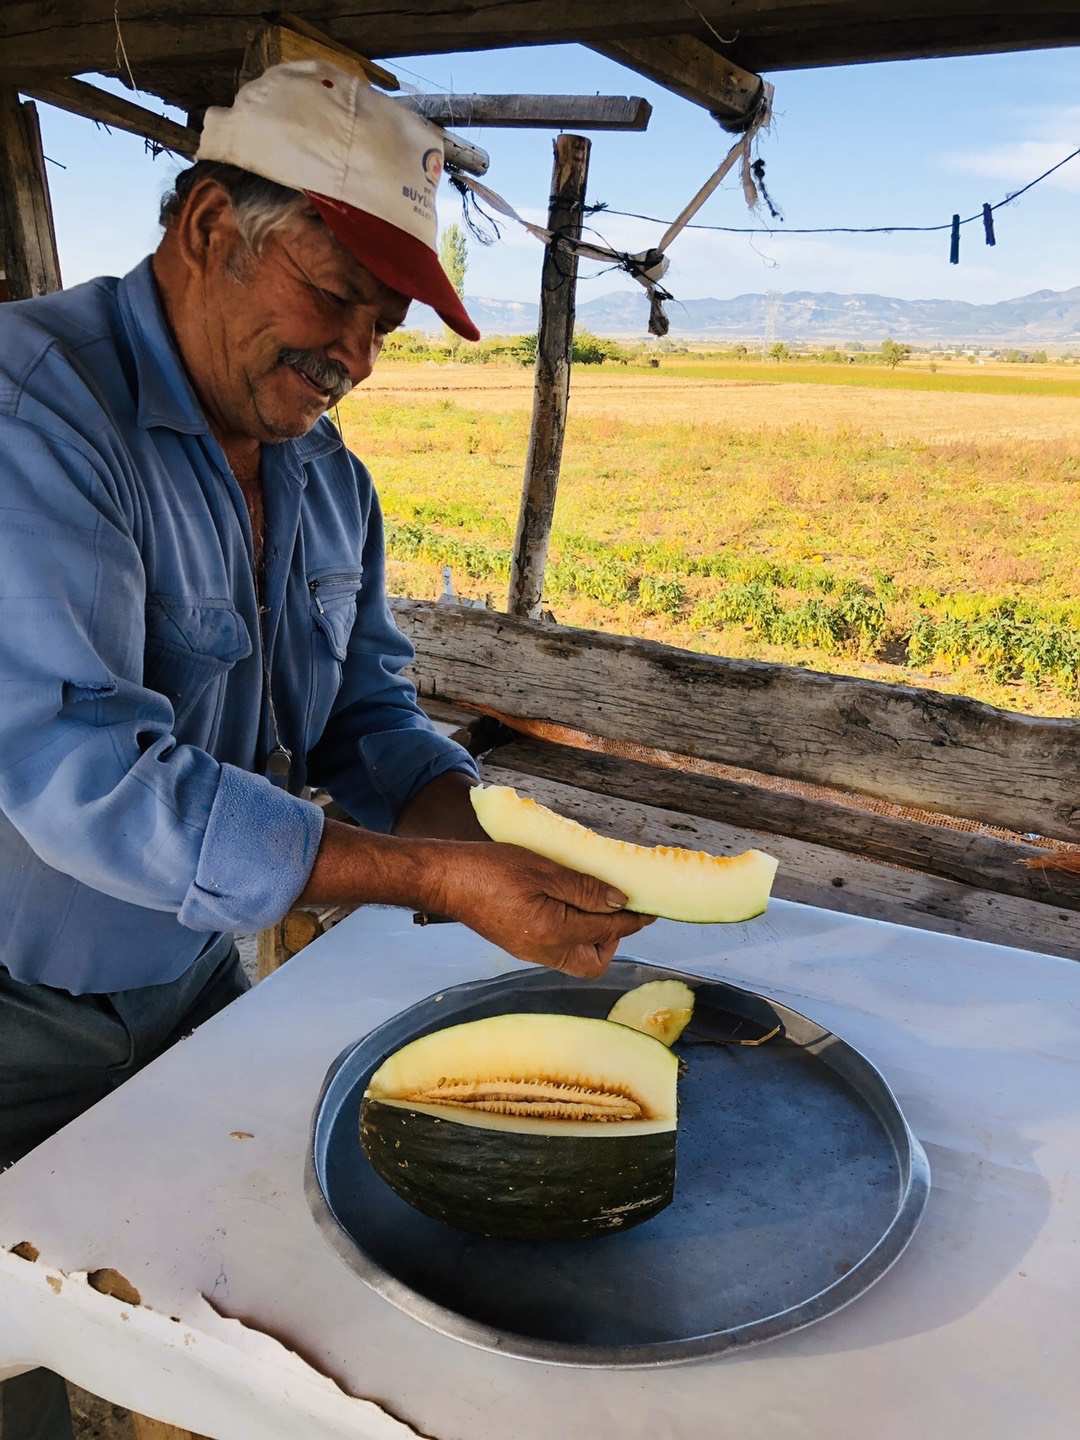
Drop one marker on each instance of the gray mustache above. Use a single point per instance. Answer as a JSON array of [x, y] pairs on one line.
[[327, 374]]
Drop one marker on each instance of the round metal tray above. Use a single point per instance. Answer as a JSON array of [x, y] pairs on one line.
[[799, 1183]]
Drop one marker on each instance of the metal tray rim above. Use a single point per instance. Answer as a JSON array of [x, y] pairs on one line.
[[876, 1262]]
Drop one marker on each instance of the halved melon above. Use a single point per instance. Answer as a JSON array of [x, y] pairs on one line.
[[532, 1127], [660, 1008], [662, 880]]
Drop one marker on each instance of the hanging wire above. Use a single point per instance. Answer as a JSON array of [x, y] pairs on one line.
[[724, 39], [980, 214], [121, 48], [434, 84], [481, 225]]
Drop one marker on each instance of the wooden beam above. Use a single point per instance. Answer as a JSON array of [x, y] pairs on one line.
[[981, 861], [551, 394], [297, 25], [523, 112], [914, 747], [845, 33], [694, 70], [279, 44], [816, 875], [68, 36], [272, 44], [87, 100], [462, 154], [27, 235]]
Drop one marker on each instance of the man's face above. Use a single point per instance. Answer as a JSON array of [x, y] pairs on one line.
[[296, 328]]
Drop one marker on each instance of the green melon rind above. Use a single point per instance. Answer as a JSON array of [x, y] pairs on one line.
[[518, 1186]]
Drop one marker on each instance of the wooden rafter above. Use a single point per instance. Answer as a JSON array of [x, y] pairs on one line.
[[695, 71], [95, 104], [278, 44], [545, 112], [190, 54]]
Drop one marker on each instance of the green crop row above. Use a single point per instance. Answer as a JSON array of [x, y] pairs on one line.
[[794, 605]]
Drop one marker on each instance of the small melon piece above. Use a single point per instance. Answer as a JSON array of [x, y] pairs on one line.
[[527, 1127], [660, 1008], [662, 880]]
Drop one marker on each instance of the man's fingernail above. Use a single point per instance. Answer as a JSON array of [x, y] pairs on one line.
[[615, 898]]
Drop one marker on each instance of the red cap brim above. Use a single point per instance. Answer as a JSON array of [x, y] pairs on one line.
[[396, 258]]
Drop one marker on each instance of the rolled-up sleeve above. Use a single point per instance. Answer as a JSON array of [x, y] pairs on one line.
[[379, 749], [91, 774]]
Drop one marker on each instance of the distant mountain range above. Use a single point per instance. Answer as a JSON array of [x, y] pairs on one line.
[[1045, 317]]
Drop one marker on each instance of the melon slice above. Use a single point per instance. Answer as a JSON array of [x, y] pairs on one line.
[[527, 1127], [662, 880], [660, 1008]]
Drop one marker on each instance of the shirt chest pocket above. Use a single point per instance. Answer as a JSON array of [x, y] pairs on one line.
[[333, 614], [190, 644]]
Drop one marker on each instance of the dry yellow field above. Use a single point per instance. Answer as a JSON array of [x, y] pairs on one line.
[[750, 403], [924, 536]]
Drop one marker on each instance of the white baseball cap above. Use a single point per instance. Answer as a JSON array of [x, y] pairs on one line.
[[370, 166]]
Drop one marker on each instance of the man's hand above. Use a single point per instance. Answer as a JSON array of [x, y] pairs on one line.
[[537, 910]]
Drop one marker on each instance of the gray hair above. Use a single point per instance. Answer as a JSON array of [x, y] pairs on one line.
[[261, 206]]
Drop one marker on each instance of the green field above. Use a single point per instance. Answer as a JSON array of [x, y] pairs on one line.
[[947, 379], [828, 545]]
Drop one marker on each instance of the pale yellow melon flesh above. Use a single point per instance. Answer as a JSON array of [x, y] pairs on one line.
[[661, 880], [660, 1008]]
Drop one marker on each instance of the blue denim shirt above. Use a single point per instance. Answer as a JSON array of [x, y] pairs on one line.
[[134, 822]]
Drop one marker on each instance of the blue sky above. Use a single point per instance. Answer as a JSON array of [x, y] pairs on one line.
[[865, 145]]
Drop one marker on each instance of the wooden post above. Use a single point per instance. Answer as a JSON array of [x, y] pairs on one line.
[[287, 938], [552, 378], [27, 237]]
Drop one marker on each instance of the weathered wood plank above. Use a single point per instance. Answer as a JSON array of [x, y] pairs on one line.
[[915, 747], [815, 875], [80, 98], [785, 38], [27, 236], [694, 70], [982, 861], [551, 376], [279, 44], [296, 24], [552, 112], [80, 35]]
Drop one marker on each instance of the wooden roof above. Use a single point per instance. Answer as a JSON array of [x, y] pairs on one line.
[[188, 51]]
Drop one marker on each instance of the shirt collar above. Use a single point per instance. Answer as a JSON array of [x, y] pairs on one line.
[[165, 394], [322, 439], [166, 397]]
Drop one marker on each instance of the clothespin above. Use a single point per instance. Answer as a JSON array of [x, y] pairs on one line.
[[954, 247], [988, 224]]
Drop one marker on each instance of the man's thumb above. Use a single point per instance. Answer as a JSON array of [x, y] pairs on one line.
[[586, 892]]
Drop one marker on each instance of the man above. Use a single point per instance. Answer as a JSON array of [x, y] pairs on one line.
[[194, 622]]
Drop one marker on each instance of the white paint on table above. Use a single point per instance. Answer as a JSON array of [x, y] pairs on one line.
[[971, 1332]]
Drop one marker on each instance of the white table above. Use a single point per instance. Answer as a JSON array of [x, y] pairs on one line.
[[972, 1333]]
